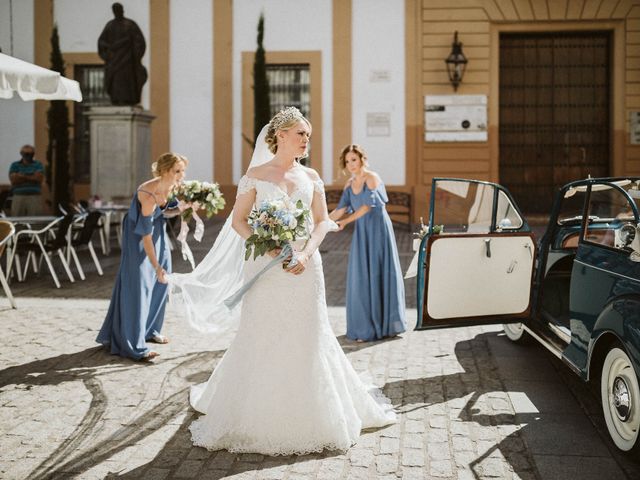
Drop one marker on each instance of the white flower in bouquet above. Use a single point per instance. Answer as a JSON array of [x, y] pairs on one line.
[[205, 194], [424, 230], [275, 223]]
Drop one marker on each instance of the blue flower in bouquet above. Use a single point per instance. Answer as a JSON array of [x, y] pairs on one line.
[[275, 223]]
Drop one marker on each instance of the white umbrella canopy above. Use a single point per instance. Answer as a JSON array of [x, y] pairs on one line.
[[32, 82]]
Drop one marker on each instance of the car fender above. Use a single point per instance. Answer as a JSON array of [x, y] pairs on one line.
[[619, 320]]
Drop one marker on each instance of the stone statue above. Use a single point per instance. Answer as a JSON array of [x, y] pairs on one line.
[[121, 45]]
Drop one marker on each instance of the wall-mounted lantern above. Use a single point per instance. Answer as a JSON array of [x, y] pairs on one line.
[[456, 63]]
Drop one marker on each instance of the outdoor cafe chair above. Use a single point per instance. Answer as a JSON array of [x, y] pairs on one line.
[[46, 246], [7, 230], [83, 239]]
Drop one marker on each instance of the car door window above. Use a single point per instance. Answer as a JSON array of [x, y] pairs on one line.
[[463, 207], [569, 219], [507, 216], [609, 210]]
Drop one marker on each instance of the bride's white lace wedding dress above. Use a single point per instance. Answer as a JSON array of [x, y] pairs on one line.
[[284, 385]]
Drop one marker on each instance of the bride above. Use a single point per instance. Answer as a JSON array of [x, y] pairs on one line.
[[284, 385]]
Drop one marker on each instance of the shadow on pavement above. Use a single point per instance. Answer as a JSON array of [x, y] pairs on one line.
[[535, 450], [553, 435], [75, 455]]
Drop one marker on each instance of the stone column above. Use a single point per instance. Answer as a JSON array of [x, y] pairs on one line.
[[120, 150]]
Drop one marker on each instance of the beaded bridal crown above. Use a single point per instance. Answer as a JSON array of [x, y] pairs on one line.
[[285, 116]]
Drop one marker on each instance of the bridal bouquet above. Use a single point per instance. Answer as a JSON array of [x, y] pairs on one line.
[[206, 195], [275, 224], [197, 195]]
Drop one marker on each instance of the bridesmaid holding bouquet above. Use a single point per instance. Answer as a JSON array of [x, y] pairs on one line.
[[375, 289], [136, 311]]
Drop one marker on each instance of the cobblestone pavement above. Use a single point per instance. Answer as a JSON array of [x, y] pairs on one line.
[[471, 404]]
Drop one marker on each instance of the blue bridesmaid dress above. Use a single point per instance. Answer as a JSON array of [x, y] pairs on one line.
[[375, 288], [136, 311]]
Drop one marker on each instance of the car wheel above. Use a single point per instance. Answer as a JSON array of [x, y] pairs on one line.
[[515, 332], [620, 395]]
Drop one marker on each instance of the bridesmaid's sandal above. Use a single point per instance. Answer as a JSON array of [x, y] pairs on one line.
[[159, 339], [149, 356]]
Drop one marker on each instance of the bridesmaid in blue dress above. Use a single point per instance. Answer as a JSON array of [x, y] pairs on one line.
[[136, 311], [375, 289]]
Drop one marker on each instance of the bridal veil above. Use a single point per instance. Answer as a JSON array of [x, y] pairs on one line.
[[200, 294]]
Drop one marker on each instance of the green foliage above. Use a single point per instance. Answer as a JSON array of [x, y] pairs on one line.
[[261, 101], [58, 166], [274, 224], [206, 194]]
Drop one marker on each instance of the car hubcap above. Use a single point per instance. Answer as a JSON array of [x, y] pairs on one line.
[[621, 399], [620, 391], [513, 330]]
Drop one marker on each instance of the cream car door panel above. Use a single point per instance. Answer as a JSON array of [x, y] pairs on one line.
[[473, 276]]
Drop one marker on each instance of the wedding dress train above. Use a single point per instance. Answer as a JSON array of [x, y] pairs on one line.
[[284, 385]]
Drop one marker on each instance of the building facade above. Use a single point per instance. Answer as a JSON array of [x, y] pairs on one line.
[[551, 87]]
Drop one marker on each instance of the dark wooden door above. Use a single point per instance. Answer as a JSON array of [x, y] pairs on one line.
[[554, 113]]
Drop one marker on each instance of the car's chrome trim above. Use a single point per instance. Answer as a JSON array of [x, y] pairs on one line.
[[562, 332], [553, 349], [572, 365], [607, 271], [544, 343]]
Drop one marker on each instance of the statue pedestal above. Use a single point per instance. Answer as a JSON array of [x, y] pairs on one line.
[[120, 150]]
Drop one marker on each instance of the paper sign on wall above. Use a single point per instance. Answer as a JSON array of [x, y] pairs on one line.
[[455, 118], [634, 128]]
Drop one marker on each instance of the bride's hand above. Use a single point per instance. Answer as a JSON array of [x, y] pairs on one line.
[[275, 252], [299, 261]]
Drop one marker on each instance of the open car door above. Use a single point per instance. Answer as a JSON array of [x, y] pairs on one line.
[[479, 267]]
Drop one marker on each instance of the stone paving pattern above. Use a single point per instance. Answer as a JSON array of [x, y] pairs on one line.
[[471, 404]]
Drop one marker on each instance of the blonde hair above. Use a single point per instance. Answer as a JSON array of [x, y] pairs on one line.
[[283, 120], [165, 162], [355, 148]]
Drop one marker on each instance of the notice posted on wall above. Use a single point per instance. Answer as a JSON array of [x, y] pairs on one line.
[[455, 118], [379, 124], [634, 128]]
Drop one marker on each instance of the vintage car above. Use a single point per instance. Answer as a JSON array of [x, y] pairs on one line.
[[576, 290]]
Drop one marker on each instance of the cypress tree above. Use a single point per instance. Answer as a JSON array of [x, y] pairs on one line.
[[261, 103], [57, 171]]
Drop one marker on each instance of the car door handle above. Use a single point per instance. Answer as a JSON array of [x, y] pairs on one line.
[[487, 246], [512, 266]]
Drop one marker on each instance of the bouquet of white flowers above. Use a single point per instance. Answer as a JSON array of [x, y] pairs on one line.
[[275, 223], [203, 194], [196, 195]]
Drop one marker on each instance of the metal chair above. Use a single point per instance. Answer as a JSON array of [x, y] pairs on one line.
[[46, 246], [7, 230], [83, 239]]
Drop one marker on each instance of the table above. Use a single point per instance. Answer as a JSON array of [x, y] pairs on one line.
[[31, 220]]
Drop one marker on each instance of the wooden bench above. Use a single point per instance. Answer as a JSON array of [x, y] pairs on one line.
[[400, 205]]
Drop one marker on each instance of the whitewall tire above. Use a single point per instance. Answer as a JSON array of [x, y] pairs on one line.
[[620, 395], [515, 332]]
